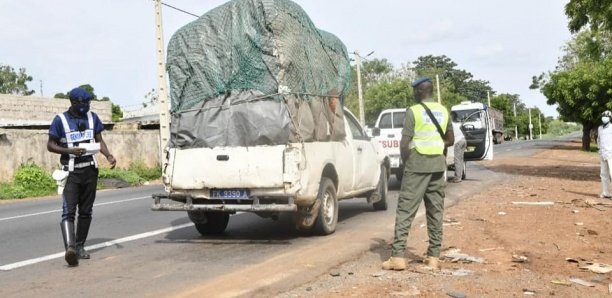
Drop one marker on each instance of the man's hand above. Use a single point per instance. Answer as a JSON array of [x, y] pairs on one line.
[[111, 159], [77, 151]]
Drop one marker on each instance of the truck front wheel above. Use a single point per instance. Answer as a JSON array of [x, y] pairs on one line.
[[209, 222], [327, 217]]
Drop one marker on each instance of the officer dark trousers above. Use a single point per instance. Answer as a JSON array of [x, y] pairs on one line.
[[79, 194]]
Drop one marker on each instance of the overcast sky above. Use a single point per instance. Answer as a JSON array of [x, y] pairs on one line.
[[110, 44]]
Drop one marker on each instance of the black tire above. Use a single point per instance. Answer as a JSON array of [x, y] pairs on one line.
[[464, 174], [381, 190], [400, 174], [208, 223], [327, 217]]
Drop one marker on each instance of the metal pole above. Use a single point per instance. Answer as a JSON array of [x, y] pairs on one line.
[[515, 123], [530, 125], [489, 98], [438, 88], [41, 89], [540, 124], [359, 91], [164, 118]]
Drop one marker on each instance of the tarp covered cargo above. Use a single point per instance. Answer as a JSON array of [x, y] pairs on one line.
[[255, 72]]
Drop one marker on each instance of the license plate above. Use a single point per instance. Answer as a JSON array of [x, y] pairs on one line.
[[470, 149], [232, 194]]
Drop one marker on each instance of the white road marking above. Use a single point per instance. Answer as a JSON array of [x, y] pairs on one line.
[[60, 210], [93, 247]]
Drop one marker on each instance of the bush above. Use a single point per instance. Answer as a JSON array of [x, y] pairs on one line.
[[143, 171], [30, 180], [560, 128], [128, 176]]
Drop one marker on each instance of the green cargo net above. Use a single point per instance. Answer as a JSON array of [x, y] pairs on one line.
[[268, 46]]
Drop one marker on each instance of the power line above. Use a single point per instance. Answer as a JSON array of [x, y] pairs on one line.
[[183, 11]]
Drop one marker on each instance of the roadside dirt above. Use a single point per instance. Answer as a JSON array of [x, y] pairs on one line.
[[524, 249]]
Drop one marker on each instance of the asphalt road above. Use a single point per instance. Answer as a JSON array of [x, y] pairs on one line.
[[139, 252]]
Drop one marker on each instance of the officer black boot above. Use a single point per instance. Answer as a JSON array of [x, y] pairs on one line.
[[81, 235], [69, 243]]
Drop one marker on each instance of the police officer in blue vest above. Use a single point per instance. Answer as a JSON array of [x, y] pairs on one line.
[[422, 150], [68, 130]]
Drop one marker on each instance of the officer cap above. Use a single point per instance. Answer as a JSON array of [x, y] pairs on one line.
[[79, 94], [606, 114], [420, 81]]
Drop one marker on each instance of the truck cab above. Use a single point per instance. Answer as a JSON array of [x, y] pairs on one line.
[[475, 120], [388, 132]]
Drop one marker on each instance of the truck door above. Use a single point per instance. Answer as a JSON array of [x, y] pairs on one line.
[[476, 126], [365, 164]]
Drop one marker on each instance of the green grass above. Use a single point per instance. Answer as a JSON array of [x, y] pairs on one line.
[[30, 180]]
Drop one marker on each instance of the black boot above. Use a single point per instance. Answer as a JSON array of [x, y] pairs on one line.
[[69, 243], [81, 235]]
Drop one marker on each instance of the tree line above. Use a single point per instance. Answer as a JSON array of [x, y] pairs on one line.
[[387, 87]]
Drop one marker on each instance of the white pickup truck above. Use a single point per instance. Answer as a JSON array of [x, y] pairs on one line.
[[472, 117], [304, 178]]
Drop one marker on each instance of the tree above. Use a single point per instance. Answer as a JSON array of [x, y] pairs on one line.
[[14, 82], [596, 14], [117, 113], [392, 94], [456, 80], [582, 94], [581, 82]]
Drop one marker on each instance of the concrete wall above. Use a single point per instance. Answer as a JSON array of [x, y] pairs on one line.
[[34, 110], [19, 146]]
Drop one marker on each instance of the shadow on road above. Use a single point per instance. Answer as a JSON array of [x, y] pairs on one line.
[[249, 228], [575, 173]]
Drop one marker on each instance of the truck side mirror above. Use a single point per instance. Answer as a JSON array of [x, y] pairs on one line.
[[376, 131]]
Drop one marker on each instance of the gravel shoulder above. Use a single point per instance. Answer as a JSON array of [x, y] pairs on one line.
[[541, 231]]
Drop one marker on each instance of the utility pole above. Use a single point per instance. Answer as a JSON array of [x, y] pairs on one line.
[[359, 89], [515, 124], [41, 89], [438, 87], [530, 125], [164, 107], [489, 98], [540, 124]]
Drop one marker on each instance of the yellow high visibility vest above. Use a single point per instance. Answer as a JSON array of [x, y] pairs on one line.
[[427, 140]]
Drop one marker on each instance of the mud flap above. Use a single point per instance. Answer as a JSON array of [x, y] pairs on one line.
[[305, 217]]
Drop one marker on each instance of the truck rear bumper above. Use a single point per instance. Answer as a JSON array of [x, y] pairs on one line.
[[188, 205]]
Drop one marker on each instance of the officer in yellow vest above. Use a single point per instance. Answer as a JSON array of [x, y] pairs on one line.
[[422, 150]]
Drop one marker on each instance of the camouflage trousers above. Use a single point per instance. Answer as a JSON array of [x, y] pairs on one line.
[[418, 187]]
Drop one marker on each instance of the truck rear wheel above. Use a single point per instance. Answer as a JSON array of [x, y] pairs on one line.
[[327, 217], [381, 191], [464, 174], [209, 222]]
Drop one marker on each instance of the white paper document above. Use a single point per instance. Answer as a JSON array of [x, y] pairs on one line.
[[92, 148]]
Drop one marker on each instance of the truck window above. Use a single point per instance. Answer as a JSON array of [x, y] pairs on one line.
[[398, 119], [356, 130], [385, 121]]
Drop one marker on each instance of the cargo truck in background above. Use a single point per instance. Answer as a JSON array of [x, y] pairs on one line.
[[497, 125], [474, 118]]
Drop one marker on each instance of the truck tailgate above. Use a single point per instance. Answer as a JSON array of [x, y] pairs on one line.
[[226, 167]]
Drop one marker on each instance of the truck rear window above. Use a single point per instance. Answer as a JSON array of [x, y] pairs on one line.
[[392, 120]]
